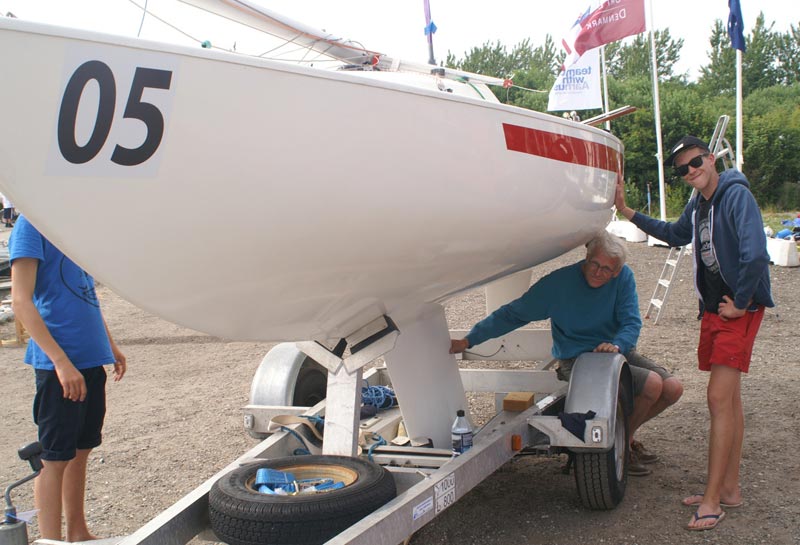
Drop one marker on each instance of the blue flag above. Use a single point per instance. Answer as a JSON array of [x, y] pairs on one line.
[[735, 25]]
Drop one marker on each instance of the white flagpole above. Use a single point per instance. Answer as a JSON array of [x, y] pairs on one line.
[[662, 196], [739, 131], [605, 85]]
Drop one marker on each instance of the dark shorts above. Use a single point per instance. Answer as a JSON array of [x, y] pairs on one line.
[[64, 425], [728, 343], [639, 365]]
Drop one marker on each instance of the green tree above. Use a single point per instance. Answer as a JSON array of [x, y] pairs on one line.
[[528, 67], [772, 138], [788, 56], [634, 58], [760, 68]]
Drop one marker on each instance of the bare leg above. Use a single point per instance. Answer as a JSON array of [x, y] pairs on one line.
[[47, 497], [643, 403], [74, 492], [671, 392], [723, 388], [730, 490]]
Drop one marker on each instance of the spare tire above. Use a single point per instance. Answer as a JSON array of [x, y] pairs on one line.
[[240, 515]]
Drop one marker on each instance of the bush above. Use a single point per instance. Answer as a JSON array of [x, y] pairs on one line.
[[677, 197], [789, 195]]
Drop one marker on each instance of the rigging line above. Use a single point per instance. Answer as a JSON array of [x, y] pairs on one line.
[[502, 346], [211, 13], [286, 42], [526, 89], [141, 23], [474, 88], [330, 43], [263, 31], [165, 22]]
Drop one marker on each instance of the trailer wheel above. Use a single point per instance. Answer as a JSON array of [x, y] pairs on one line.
[[240, 515], [311, 385], [602, 477]]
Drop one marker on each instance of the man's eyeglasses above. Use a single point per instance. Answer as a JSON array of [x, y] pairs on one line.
[[696, 162], [594, 267]]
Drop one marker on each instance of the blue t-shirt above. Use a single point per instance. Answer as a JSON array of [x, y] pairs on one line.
[[581, 317], [65, 298]]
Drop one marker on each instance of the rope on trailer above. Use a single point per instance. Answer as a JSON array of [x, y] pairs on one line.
[[381, 397], [297, 451], [379, 442]]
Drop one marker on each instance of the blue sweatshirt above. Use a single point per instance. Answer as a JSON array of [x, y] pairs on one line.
[[581, 317], [737, 239]]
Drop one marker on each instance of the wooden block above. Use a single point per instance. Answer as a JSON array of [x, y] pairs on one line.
[[517, 401]]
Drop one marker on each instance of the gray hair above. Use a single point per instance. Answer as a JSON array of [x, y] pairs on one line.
[[609, 245]]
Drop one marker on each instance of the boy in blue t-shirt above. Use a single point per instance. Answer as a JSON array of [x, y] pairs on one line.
[[56, 301]]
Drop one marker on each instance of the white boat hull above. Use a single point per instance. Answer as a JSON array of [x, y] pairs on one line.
[[283, 203]]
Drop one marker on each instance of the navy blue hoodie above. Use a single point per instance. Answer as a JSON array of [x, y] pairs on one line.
[[737, 238]]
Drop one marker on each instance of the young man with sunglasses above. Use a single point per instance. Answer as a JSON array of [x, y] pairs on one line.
[[723, 223], [593, 307]]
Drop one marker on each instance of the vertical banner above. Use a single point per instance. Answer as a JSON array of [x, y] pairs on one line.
[[578, 86], [603, 22]]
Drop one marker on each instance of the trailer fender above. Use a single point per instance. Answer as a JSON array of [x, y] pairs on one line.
[[602, 382], [287, 376], [594, 386]]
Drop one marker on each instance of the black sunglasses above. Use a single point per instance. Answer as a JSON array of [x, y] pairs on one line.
[[696, 162]]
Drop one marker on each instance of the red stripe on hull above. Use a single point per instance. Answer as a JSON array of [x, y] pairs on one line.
[[559, 147]]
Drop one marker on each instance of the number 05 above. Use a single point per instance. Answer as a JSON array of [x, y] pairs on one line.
[[135, 108]]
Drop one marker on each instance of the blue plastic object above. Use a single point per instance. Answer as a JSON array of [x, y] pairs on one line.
[[273, 478], [330, 486]]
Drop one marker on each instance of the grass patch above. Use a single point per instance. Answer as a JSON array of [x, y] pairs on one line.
[[774, 218], [771, 217]]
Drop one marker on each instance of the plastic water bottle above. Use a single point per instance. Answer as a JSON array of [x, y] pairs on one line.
[[461, 432]]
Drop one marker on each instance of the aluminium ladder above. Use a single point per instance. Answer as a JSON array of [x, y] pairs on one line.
[[721, 149]]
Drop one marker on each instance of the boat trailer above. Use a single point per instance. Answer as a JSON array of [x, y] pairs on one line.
[[428, 479]]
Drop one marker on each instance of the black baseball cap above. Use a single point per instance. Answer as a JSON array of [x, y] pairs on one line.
[[683, 144]]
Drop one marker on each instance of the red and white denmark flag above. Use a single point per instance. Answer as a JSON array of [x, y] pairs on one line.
[[604, 21]]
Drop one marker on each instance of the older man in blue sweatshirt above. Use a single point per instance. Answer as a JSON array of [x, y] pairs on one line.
[[593, 307], [731, 272]]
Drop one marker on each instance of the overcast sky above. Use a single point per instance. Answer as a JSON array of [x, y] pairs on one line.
[[395, 27]]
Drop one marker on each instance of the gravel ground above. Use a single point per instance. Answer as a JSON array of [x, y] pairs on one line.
[[176, 419]]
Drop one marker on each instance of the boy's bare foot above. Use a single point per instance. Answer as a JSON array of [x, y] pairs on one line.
[[81, 536], [705, 522], [696, 499]]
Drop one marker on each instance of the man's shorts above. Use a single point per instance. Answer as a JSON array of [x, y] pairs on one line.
[[639, 365], [728, 343], [65, 425]]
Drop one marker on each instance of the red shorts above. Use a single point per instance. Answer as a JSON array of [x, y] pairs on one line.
[[728, 343]]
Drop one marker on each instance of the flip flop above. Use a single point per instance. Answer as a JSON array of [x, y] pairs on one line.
[[717, 520], [696, 503]]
